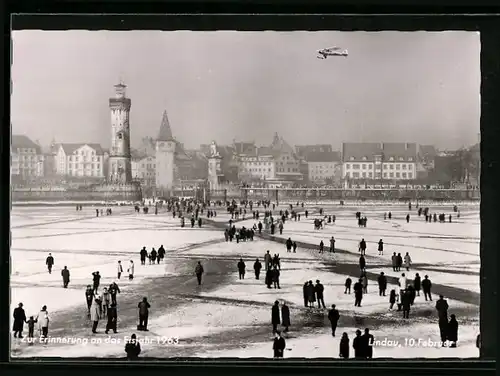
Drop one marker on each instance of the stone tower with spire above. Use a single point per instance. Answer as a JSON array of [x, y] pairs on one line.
[[165, 158]]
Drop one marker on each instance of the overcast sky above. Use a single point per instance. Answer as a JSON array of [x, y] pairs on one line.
[[410, 87]]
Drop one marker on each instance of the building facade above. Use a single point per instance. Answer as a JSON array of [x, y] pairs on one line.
[[288, 163], [27, 159], [379, 161], [120, 169], [144, 171], [80, 160], [324, 167]]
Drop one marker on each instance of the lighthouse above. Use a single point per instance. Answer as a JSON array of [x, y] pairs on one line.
[[120, 169]]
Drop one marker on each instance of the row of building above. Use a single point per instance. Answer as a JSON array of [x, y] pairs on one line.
[[278, 163]]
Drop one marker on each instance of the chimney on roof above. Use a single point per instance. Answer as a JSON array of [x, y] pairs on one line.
[[381, 146], [406, 146]]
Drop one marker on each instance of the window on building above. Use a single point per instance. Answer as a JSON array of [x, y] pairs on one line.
[[397, 174], [347, 166], [403, 166], [391, 175], [397, 167], [391, 158], [410, 159], [370, 175], [364, 174], [364, 167], [370, 167], [355, 174], [403, 175], [410, 175]]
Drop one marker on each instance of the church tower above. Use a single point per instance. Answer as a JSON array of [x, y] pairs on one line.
[[120, 169], [165, 154]]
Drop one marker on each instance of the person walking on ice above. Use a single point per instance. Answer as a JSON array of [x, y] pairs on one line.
[[199, 272], [130, 270], [49, 262], [407, 261]]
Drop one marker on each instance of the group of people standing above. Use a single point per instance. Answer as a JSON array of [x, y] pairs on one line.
[[153, 256]]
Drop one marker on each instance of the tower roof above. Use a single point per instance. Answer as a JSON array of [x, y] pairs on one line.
[[165, 133]]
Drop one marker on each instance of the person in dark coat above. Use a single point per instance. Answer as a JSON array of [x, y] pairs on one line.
[[198, 270], [112, 318], [285, 317], [241, 269], [275, 276], [132, 348], [382, 284], [394, 259], [49, 262], [453, 331], [392, 298], [442, 308], [333, 317], [319, 290], [411, 292], [348, 283], [305, 291], [96, 279], [31, 329], [380, 247], [294, 247], [19, 320], [417, 284], [406, 304], [257, 266], [113, 290], [321, 246], [362, 263], [362, 247], [344, 346], [367, 344], [269, 278], [143, 314], [89, 297], [275, 316], [152, 256], [426, 288], [65, 277], [279, 345], [311, 296], [358, 346], [161, 253], [143, 254], [358, 293], [399, 261]]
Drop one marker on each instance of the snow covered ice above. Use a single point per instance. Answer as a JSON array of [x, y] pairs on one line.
[[228, 317]]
